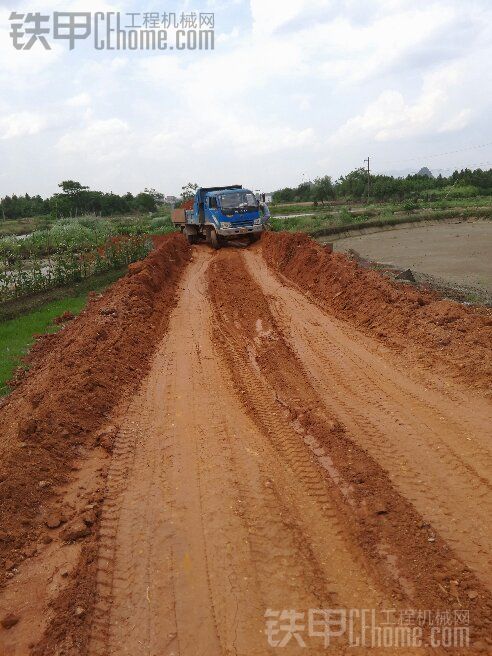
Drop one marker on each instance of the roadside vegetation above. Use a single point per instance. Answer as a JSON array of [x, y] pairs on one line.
[[34, 316], [76, 199], [18, 226], [53, 252], [358, 187], [67, 252], [345, 217], [78, 233], [324, 207], [69, 249], [373, 208]]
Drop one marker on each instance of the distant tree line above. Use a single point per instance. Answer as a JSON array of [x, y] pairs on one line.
[[75, 199], [354, 186]]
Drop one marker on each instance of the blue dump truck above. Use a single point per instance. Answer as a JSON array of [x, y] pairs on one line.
[[220, 214]]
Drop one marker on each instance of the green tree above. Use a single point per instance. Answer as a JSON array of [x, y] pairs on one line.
[[322, 190], [353, 185], [285, 195], [76, 193], [156, 195], [188, 191], [303, 193], [72, 188], [145, 203]]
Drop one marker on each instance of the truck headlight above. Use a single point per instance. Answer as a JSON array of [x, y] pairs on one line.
[[257, 221], [225, 224]]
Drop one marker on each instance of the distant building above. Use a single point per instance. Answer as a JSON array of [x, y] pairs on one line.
[[265, 197]]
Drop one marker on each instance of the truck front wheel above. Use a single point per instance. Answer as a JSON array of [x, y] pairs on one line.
[[192, 239], [214, 239]]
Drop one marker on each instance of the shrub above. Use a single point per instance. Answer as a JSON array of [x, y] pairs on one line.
[[161, 224], [345, 217], [410, 205], [65, 266]]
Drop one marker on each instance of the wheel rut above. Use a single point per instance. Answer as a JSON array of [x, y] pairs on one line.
[[237, 488]]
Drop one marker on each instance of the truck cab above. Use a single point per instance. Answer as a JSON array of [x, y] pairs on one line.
[[219, 214]]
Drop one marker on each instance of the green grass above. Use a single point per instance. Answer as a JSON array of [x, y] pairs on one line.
[[17, 334], [17, 227], [161, 225], [375, 209], [293, 208], [302, 223], [157, 223], [343, 219]]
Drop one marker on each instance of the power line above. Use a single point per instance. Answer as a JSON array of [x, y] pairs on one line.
[[447, 167], [368, 179], [449, 152]]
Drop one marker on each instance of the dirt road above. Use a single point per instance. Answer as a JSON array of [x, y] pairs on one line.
[[210, 530], [228, 494], [277, 459]]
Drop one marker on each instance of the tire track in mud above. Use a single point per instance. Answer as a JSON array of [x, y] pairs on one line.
[[394, 537], [234, 490], [437, 458], [203, 529], [207, 527], [121, 466], [274, 459], [433, 333]]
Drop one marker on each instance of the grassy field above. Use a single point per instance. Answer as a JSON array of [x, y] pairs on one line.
[[17, 227], [17, 334], [373, 209], [155, 223], [66, 250], [336, 220]]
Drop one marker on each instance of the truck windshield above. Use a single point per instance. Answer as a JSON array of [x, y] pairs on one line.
[[239, 200]]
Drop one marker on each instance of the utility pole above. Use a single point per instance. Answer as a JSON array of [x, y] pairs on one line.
[[368, 179]]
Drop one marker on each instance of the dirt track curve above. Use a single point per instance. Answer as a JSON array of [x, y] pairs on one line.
[[275, 457]]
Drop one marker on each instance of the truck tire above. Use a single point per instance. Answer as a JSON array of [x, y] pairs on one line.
[[254, 237], [214, 239], [192, 239]]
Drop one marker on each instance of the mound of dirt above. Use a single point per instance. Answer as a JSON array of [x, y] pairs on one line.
[[436, 331], [63, 318], [75, 378], [248, 335]]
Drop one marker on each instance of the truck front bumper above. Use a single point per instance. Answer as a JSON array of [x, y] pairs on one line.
[[240, 231]]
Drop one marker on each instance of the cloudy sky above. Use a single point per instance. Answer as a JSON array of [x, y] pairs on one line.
[[293, 89]]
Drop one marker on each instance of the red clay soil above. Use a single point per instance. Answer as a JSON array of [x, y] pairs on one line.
[[344, 526], [419, 323], [188, 204], [372, 509], [75, 378]]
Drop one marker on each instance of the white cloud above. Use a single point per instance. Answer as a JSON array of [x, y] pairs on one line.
[[323, 35], [25, 68], [391, 117], [457, 122], [80, 100], [270, 16], [99, 140], [284, 76], [20, 124], [250, 140], [227, 37]]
